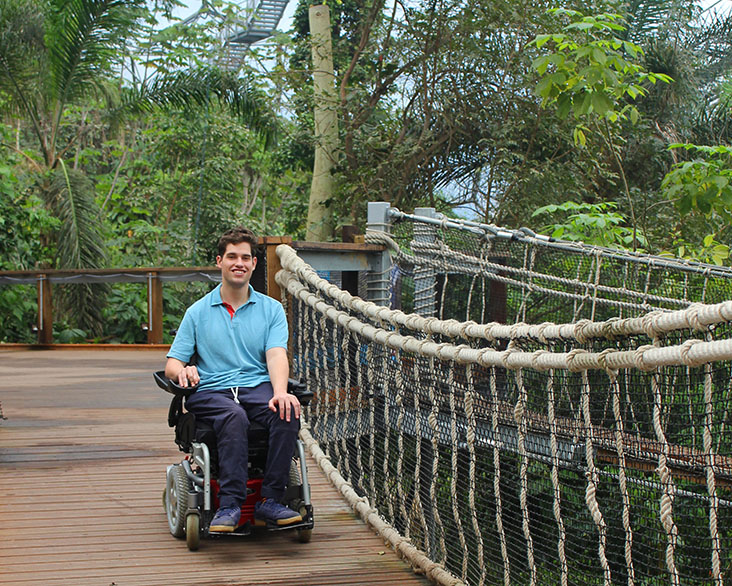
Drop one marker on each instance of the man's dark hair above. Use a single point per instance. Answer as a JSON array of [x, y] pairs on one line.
[[237, 236]]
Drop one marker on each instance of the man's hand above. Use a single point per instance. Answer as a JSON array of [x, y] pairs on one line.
[[188, 375], [287, 404], [184, 375]]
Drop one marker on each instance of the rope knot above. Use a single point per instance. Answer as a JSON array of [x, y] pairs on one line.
[[575, 360], [539, 332], [580, 330], [686, 348], [612, 328], [537, 362], [510, 349], [639, 357], [692, 315], [648, 322], [602, 359], [515, 332]]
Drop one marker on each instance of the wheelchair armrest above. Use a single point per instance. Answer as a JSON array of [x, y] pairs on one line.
[[298, 388], [295, 387], [171, 386]]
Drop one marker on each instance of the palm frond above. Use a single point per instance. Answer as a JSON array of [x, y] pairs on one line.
[[188, 89], [713, 42], [83, 40], [652, 18], [22, 55], [70, 196]]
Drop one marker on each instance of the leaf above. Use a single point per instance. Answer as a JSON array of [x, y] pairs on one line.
[[541, 40], [580, 138]]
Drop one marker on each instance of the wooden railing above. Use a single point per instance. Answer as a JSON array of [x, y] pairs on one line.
[[347, 257]]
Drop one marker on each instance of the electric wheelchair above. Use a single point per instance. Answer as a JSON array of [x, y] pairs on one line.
[[190, 497]]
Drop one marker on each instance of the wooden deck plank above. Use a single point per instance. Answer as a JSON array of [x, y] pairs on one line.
[[83, 455]]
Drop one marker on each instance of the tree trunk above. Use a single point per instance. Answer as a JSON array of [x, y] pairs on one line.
[[319, 226]]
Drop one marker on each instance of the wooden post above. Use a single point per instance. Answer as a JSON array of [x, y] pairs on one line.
[[497, 297], [154, 308], [349, 279], [45, 310], [272, 263]]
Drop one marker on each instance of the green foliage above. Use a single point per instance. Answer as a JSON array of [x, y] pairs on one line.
[[591, 71], [701, 187], [597, 223], [703, 184]]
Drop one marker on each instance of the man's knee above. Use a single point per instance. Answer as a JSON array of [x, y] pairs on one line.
[[285, 427], [232, 420]]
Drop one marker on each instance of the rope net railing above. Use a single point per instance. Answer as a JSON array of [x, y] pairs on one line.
[[567, 453], [469, 271]]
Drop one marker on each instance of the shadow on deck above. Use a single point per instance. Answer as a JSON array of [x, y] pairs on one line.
[[83, 454]]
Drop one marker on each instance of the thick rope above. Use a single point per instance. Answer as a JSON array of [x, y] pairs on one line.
[[710, 472], [667, 497], [454, 496], [432, 420], [655, 324], [497, 479], [620, 449], [645, 357], [400, 447], [520, 417], [470, 415], [557, 508], [592, 481], [434, 571]]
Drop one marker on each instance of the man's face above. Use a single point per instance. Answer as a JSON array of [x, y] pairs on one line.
[[237, 264]]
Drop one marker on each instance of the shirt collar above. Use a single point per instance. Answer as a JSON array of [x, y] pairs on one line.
[[216, 296]]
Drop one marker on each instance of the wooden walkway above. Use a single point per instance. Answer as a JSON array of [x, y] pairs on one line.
[[83, 454]]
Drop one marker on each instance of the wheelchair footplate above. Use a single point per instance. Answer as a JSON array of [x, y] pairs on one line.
[[304, 524], [241, 531]]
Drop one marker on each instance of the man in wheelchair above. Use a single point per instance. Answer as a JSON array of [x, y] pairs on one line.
[[239, 337]]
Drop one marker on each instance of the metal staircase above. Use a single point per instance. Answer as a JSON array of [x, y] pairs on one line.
[[262, 19]]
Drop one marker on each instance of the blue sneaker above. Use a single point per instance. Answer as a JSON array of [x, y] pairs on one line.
[[225, 520], [271, 511]]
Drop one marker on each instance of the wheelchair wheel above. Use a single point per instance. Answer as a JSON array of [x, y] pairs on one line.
[[294, 479], [303, 535], [193, 527], [176, 500]]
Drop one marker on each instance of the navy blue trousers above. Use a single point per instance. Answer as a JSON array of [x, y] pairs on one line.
[[230, 422]]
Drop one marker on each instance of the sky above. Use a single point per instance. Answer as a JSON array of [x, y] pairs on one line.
[[285, 23]]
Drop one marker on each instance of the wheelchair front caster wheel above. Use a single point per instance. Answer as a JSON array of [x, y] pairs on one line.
[[193, 527], [304, 535]]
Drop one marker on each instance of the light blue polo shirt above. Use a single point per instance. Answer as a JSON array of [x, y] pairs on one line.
[[231, 350]]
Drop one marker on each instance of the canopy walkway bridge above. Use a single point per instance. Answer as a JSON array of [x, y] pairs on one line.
[[257, 21], [504, 408]]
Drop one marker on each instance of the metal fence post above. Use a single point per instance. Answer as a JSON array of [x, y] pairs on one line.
[[423, 240], [377, 286]]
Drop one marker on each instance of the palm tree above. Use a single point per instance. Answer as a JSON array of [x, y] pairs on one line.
[[58, 53]]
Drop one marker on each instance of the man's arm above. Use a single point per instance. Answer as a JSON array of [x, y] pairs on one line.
[[178, 371], [279, 371]]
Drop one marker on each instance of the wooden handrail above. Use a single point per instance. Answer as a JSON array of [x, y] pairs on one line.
[[154, 277]]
